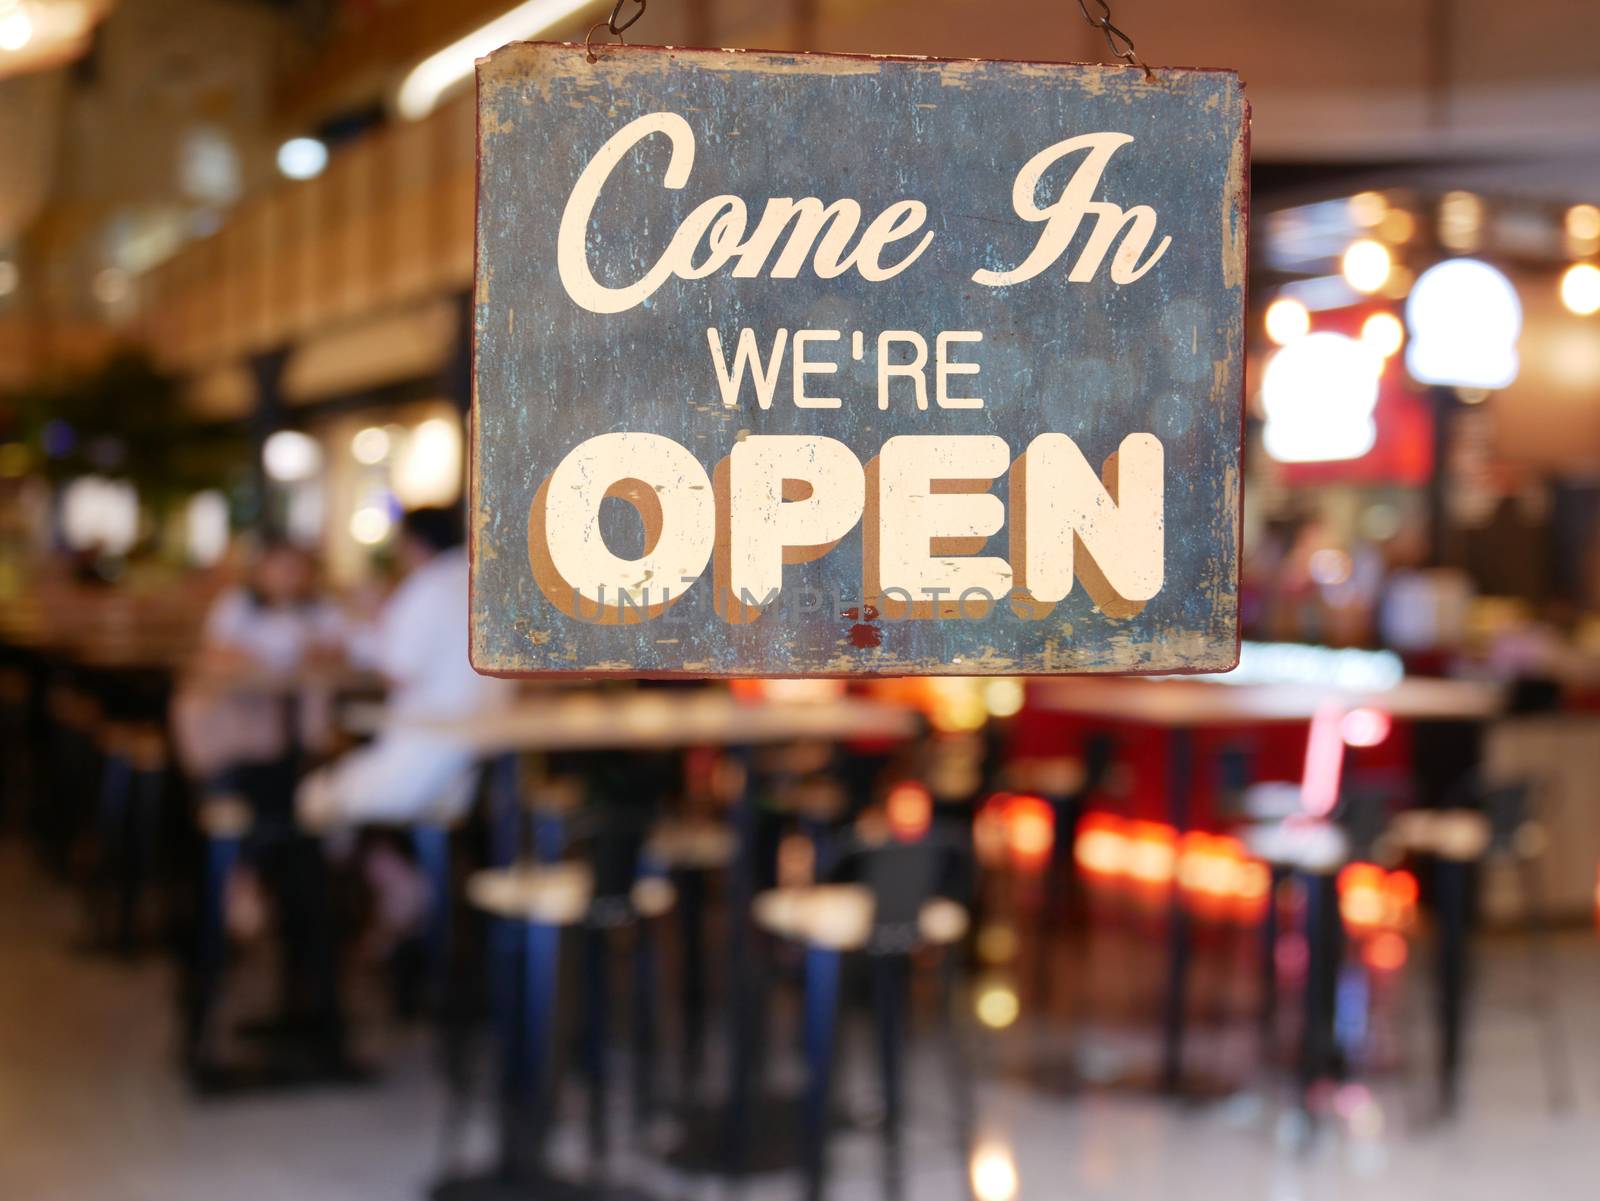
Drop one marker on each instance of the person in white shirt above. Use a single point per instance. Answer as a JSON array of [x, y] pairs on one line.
[[420, 646], [272, 624]]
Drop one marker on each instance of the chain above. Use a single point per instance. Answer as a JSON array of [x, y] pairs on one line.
[[1119, 43], [614, 26]]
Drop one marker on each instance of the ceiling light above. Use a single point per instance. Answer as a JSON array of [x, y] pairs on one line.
[[302, 158], [1580, 289], [370, 525], [1460, 221], [1464, 319], [1286, 320], [16, 29], [1319, 393], [1583, 222], [290, 455], [1366, 265], [370, 446], [435, 75], [1367, 208], [1383, 334]]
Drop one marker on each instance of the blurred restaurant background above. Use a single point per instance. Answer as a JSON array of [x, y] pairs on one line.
[[1323, 927]]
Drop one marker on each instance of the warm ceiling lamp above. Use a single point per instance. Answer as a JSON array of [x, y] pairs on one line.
[[436, 74], [1366, 265], [1580, 289], [1286, 320], [36, 35]]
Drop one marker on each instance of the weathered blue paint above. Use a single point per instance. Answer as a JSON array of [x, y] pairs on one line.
[[1096, 361]]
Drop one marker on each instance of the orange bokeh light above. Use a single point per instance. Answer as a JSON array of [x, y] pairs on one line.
[[1102, 847], [1152, 853], [1030, 829], [1361, 898], [909, 808], [1386, 952]]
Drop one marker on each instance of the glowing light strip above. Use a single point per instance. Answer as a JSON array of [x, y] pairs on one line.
[[434, 75]]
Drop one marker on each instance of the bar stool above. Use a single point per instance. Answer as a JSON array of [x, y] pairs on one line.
[[692, 852], [432, 836], [224, 821], [15, 760], [1312, 851], [540, 903], [250, 816], [68, 785], [128, 826], [889, 916], [1066, 783], [1496, 823]]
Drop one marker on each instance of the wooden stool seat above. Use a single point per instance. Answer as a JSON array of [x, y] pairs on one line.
[[692, 845], [1052, 776], [795, 759], [820, 799], [839, 917], [557, 894], [225, 816], [1273, 800], [142, 744], [1460, 835], [561, 797], [1318, 848]]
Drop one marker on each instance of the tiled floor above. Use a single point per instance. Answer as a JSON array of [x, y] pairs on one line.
[[91, 1108]]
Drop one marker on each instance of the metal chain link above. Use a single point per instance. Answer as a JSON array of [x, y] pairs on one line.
[[1119, 43], [614, 26]]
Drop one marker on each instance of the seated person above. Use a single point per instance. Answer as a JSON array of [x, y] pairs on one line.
[[270, 625], [419, 644]]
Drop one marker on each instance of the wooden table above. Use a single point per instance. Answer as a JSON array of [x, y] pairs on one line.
[[662, 720], [668, 719], [1181, 705], [1175, 703]]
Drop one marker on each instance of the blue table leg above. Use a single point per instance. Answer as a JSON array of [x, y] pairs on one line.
[[431, 844], [821, 1022], [529, 1060], [222, 854], [890, 982]]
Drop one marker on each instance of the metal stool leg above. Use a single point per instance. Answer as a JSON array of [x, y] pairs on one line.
[[690, 884], [957, 1064], [597, 1022], [821, 1028], [646, 997], [890, 1000], [139, 860], [113, 851], [1453, 893], [432, 847], [222, 854], [530, 1076]]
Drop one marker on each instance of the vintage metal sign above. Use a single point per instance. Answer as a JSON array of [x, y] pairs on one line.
[[803, 364]]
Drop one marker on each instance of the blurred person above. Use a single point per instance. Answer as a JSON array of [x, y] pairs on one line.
[[419, 645], [272, 624]]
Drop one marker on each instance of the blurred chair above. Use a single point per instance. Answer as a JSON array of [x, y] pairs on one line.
[[1486, 822], [892, 912], [1067, 783], [128, 826], [248, 816], [692, 852], [596, 896]]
